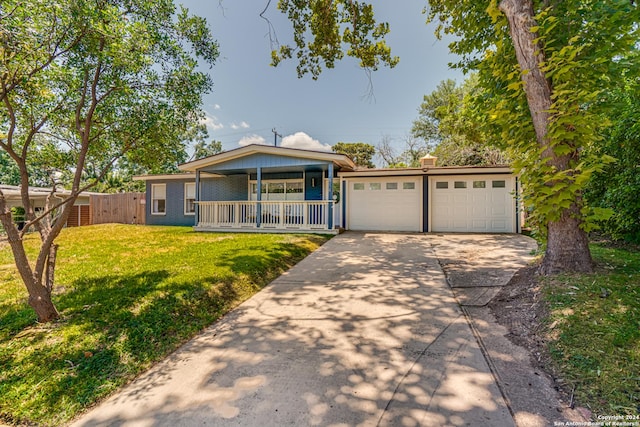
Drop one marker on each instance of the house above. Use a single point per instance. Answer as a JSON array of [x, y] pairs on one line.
[[80, 211], [310, 191]]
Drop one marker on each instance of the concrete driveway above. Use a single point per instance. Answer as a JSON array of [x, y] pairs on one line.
[[363, 332]]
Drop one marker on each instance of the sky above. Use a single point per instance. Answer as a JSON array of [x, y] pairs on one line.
[[250, 98]]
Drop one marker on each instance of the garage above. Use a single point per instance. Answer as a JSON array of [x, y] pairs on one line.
[[472, 203], [387, 203]]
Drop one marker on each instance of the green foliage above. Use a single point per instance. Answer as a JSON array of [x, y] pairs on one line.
[[203, 149], [586, 48], [83, 85], [453, 118], [617, 186], [127, 300], [360, 152], [102, 80], [9, 172], [593, 331], [323, 28]]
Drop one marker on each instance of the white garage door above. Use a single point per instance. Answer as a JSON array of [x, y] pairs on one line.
[[384, 204], [475, 203]]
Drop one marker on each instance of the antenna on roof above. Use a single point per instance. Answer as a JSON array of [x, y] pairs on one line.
[[275, 137]]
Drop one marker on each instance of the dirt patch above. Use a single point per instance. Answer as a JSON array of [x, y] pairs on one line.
[[520, 307]]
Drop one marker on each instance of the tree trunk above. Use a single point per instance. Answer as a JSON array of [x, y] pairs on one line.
[[567, 244], [567, 248], [39, 293], [40, 301]]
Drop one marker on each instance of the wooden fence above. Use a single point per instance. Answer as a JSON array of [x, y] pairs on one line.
[[123, 208]]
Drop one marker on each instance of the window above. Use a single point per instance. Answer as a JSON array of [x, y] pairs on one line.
[[498, 184], [158, 199], [189, 198], [408, 185], [442, 184], [278, 190], [295, 188], [392, 186], [375, 186], [358, 186], [459, 184], [479, 184]]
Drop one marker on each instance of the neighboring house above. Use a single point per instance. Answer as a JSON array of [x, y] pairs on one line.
[[298, 193], [80, 212]]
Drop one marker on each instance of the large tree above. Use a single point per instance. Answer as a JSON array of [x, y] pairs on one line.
[[360, 152], [545, 62], [86, 83], [454, 120]]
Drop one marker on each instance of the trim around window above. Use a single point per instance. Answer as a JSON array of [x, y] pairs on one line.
[[158, 199], [189, 198]]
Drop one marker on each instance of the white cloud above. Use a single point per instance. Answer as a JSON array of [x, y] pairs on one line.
[[216, 106], [242, 125], [212, 122], [303, 141], [252, 139]]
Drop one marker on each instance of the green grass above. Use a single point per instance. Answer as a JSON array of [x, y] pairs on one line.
[[128, 296], [594, 328]]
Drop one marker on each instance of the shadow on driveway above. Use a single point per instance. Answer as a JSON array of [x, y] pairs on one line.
[[365, 331]]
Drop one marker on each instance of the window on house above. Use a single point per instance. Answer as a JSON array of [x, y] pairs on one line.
[[189, 198], [479, 184], [375, 186], [408, 185], [358, 185], [498, 184], [278, 190], [392, 186], [158, 199], [442, 184], [460, 184]]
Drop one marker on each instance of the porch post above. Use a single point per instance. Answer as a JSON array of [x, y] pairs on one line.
[[330, 196], [259, 196], [197, 213]]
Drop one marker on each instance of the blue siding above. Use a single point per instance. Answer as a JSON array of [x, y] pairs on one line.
[[174, 214], [264, 161], [277, 175], [229, 188], [313, 193]]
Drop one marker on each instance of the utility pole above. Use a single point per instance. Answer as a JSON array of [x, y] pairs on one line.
[[275, 137]]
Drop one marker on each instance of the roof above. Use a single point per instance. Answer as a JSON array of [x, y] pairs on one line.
[[174, 176], [13, 192], [339, 159]]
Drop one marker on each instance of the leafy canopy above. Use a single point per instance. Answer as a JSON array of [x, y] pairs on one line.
[[360, 152], [325, 29], [586, 48], [454, 120]]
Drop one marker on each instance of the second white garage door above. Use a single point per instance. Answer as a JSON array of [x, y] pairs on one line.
[[474, 203], [384, 204]]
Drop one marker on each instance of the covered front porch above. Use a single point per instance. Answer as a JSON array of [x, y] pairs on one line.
[[268, 216], [266, 189]]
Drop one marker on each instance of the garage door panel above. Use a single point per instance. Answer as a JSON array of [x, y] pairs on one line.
[[472, 207], [379, 206]]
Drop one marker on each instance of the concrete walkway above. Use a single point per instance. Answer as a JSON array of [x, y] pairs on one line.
[[363, 332]]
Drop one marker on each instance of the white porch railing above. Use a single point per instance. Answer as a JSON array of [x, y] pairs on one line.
[[281, 215]]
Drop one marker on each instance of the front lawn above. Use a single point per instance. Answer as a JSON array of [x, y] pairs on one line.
[[594, 332], [128, 296]]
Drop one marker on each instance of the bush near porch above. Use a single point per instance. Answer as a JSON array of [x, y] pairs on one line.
[[128, 296]]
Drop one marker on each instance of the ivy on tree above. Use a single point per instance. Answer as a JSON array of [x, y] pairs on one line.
[[544, 66]]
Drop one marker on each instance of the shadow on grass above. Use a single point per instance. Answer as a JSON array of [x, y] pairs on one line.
[[114, 327]]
